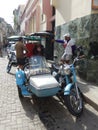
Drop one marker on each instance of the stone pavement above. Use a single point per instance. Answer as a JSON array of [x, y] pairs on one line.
[[13, 114]]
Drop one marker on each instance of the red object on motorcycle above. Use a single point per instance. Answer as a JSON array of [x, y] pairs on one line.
[[30, 47]]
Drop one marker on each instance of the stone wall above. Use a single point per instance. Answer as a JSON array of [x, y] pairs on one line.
[[84, 30]]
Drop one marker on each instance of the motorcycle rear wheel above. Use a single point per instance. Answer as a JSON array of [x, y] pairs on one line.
[[74, 105]]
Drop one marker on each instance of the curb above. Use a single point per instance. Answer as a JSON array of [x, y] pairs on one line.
[[90, 93], [90, 102]]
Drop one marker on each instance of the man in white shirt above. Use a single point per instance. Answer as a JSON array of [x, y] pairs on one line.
[[68, 43]]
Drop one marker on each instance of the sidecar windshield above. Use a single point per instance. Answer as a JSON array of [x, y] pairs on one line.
[[37, 65]]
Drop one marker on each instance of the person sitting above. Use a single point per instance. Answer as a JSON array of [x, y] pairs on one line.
[[38, 50]]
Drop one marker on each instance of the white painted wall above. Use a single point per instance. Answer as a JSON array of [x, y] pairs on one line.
[[67, 10]]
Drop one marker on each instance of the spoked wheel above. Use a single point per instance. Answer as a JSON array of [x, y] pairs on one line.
[[8, 68], [19, 92], [73, 103], [26, 66]]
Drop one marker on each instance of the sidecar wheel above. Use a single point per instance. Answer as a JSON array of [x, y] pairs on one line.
[[19, 92], [74, 105]]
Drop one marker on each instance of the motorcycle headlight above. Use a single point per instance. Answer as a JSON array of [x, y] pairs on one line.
[[67, 71], [54, 74]]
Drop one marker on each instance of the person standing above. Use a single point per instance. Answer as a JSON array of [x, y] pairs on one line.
[[20, 48], [69, 47], [38, 50]]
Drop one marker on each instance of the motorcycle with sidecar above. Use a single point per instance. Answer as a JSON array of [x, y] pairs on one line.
[[38, 79]]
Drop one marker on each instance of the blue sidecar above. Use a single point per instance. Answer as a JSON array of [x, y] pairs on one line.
[[37, 79]]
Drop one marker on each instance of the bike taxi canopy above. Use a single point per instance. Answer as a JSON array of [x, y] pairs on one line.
[[31, 38], [47, 41]]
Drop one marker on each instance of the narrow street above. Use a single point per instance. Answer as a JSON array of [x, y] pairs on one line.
[[34, 113]]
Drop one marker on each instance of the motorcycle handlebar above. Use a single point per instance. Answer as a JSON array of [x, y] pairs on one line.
[[78, 58]]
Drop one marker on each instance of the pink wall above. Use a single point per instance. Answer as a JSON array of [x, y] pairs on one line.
[[38, 18], [35, 11], [47, 10]]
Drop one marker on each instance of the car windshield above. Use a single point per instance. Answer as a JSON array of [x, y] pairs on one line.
[[37, 65]]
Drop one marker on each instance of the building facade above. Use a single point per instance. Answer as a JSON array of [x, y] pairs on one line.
[[80, 19], [6, 30], [17, 19], [37, 16]]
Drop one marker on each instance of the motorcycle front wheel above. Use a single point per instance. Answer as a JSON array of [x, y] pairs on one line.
[[74, 104], [8, 68]]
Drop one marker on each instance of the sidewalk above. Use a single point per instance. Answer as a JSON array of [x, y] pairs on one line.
[[90, 92]]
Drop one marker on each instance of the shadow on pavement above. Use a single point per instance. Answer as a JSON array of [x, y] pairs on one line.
[[55, 116]]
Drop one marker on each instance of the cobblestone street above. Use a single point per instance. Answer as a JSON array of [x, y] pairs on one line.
[[24, 114], [55, 42], [34, 113]]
